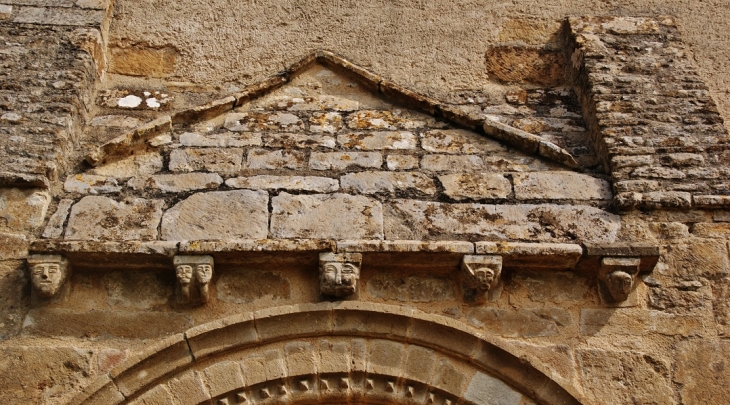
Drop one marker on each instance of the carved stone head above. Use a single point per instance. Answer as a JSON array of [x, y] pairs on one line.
[[204, 272], [480, 274], [47, 273], [339, 273], [618, 275], [194, 274], [184, 273]]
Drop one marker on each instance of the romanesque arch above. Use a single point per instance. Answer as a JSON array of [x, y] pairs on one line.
[[339, 352]]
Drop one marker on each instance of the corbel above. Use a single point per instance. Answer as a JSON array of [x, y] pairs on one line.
[[619, 268], [480, 276], [194, 273], [48, 274], [339, 274]]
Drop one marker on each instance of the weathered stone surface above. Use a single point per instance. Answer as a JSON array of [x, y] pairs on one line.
[[278, 159], [14, 279], [135, 165], [101, 218], [484, 389], [630, 321], [238, 214], [328, 122], [369, 119], [176, 183], [410, 219], [43, 368], [701, 370], [242, 286], [523, 322], [298, 140], [411, 288], [114, 121], [336, 216], [695, 258], [721, 305], [221, 160], [387, 182], [224, 140], [13, 246], [617, 375], [345, 160], [261, 121], [91, 184], [301, 183], [378, 140], [401, 162], [458, 141], [452, 163], [22, 210], [476, 186], [54, 228], [560, 185]]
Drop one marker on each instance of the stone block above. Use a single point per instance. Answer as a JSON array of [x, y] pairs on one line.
[[224, 140], [277, 159], [255, 121], [333, 356], [143, 164], [220, 160], [556, 185], [294, 320], [301, 359], [485, 389], [263, 366], [189, 389], [345, 160], [389, 120], [352, 317], [458, 142], [452, 163], [385, 357], [391, 140], [533, 255], [176, 183], [637, 322], [715, 230], [13, 246], [419, 363], [247, 286], [445, 333], [130, 324], [14, 282], [221, 335], [701, 370], [59, 16], [6, 11], [707, 258], [448, 377], [476, 186], [298, 141], [238, 214], [141, 60], [617, 374], [166, 356], [411, 219], [159, 394], [54, 227], [387, 182], [401, 162], [404, 288], [298, 183], [404, 246], [101, 218], [91, 184], [223, 377], [22, 210], [335, 216], [667, 199], [524, 322], [328, 122]]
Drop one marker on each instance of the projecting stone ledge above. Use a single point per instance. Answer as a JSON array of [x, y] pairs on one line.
[[326, 216], [421, 220]]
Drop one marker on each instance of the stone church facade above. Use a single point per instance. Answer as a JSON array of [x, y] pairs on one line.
[[266, 203]]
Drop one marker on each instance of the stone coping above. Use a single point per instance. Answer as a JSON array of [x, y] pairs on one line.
[[519, 139], [515, 255]]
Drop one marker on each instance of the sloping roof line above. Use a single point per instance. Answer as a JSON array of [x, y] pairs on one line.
[[520, 140]]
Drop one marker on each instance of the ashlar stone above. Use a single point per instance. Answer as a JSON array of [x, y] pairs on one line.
[[476, 186], [458, 141], [411, 219], [328, 122], [277, 159], [176, 183], [299, 183], [387, 182], [298, 140], [238, 214], [335, 216], [22, 210], [224, 140], [221, 160], [452, 163], [101, 218], [344, 160], [54, 228], [91, 184], [401, 162], [378, 140], [555, 185]]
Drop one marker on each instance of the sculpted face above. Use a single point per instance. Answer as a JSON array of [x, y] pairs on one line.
[[619, 284], [484, 277], [204, 272], [339, 279], [184, 273], [47, 278]]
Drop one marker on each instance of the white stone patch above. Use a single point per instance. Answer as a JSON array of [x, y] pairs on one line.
[[131, 101], [11, 117], [152, 103], [5, 11]]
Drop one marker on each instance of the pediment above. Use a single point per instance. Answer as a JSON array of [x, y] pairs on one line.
[[329, 151]]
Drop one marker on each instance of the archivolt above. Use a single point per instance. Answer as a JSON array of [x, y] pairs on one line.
[[347, 352]]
